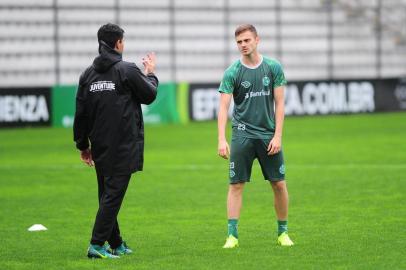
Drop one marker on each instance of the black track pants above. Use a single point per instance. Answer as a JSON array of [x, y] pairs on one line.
[[111, 194]]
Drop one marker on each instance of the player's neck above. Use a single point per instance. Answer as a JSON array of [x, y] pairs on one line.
[[252, 60]]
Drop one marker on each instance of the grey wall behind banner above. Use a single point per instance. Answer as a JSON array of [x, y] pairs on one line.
[[25, 107], [315, 97]]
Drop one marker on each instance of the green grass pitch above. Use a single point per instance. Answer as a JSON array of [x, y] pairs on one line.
[[346, 177]]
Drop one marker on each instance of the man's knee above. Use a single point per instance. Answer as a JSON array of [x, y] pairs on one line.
[[236, 188], [279, 186]]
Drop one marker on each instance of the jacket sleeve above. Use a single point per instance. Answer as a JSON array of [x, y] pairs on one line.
[[80, 129], [144, 87]]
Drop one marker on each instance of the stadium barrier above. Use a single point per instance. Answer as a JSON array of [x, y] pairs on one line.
[[25, 107], [162, 110], [184, 102], [315, 97]]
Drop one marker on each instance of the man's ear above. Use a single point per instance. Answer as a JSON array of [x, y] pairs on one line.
[[118, 43]]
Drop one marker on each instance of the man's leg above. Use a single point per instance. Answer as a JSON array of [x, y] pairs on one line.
[[117, 245], [281, 203], [115, 237], [109, 206], [234, 200], [234, 204], [273, 169], [281, 199], [100, 185], [241, 157]]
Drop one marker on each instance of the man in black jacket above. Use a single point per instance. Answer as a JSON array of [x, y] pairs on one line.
[[109, 116]]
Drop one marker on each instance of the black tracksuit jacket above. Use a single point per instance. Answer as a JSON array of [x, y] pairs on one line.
[[108, 112]]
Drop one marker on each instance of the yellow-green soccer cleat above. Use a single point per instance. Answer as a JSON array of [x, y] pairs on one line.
[[284, 240], [231, 242]]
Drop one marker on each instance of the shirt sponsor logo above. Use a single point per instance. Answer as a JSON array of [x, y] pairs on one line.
[[102, 86], [231, 165], [261, 93], [246, 84]]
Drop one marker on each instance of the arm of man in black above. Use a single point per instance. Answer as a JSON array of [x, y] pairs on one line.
[[144, 87], [80, 126], [80, 130]]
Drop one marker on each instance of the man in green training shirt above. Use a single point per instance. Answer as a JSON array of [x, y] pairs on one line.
[[256, 83]]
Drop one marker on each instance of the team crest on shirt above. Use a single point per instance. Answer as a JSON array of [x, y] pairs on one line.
[[246, 84], [266, 81], [282, 169]]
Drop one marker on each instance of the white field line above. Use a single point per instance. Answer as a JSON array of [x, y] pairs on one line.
[[208, 167], [192, 167]]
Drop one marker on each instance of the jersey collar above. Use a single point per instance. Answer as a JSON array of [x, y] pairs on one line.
[[254, 67]]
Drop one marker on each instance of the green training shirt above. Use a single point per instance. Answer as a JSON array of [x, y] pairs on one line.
[[252, 90]]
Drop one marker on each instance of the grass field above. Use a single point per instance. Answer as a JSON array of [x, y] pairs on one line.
[[346, 178]]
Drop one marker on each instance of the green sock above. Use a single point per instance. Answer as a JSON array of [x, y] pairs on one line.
[[282, 226], [232, 227]]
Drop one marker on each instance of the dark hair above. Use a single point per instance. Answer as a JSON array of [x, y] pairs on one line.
[[110, 33], [245, 27]]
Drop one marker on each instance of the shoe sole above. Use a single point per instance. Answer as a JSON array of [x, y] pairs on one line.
[[94, 256], [280, 244], [121, 253], [97, 256], [236, 246]]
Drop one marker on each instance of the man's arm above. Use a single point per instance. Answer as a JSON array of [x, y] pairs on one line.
[[223, 148], [275, 144], [143, 85], [80, 129]]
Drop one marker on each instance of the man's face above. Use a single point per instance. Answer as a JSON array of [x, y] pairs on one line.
[[247, 43]]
